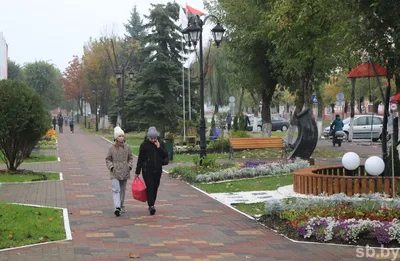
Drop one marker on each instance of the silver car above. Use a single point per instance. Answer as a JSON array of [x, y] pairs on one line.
[[365, 127]]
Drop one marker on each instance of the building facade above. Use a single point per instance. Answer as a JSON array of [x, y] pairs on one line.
[[3, 57]]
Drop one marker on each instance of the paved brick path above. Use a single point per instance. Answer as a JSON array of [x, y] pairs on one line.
[[188, 224]]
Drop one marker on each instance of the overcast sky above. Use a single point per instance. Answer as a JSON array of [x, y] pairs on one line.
[[55, 30]]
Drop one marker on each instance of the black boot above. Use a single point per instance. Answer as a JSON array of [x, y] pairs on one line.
[[152, 210], [117, 212]]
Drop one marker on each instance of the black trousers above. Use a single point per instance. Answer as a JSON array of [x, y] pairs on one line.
[[152, 181]]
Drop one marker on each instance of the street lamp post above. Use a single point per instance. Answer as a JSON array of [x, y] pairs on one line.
[[192, 34], [94, 91], [85, 110], [120, 75]]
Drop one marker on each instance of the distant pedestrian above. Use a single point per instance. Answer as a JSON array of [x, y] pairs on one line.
[[119, 161], [71, 124], [54, 122], [152, 155], [66, 120], [229, 121], [60, 123]]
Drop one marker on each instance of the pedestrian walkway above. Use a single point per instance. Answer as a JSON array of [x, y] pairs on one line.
[[188, 225]]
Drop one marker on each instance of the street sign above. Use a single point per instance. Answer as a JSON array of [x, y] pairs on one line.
[[340, 96], [393, 106], [314, 99], [231, 99], [339, 103]]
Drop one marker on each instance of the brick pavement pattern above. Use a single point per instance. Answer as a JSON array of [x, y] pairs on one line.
[[188, 224]]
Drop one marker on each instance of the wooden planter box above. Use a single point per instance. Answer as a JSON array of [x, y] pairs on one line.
[[336, 179]]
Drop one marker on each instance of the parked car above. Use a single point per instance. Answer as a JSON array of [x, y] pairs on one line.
[[278, 123], [364, 126]]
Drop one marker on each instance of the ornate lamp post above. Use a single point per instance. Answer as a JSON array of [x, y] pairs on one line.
[[192, 34]]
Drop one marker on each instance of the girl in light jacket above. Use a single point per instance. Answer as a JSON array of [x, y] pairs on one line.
[[119, 161]]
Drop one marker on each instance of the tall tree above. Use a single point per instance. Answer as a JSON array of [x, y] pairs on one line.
[[98, 75], [160, 76], [247, 38], [308, 35], [45, 79], [14, 70], [73, 82], [134, 27]]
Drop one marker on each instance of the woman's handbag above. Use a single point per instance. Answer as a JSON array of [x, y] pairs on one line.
[[139, 190]]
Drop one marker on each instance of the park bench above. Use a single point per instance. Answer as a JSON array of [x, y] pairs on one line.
[[256, 143]]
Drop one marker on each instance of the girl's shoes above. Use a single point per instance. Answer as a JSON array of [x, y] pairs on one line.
[[117, 212]]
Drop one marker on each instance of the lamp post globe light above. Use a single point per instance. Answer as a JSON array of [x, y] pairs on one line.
[[193, 34]]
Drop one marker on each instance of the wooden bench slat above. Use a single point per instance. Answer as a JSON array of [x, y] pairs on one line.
[[257, 143]]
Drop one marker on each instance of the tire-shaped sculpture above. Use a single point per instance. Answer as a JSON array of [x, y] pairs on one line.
[[307, 138]]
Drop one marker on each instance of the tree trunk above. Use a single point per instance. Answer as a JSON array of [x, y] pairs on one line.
[[320, 112], [255, 120], [397, 81], [241, 101], [266, 107], [352, 105]]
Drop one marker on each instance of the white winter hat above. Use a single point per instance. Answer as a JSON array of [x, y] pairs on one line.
[[117, 132]]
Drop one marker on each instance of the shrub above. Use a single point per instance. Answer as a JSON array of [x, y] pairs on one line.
[[212, 124], [208, 160], [235, 123], [23, 121], [219, 144], [239, 134], [242, 122]]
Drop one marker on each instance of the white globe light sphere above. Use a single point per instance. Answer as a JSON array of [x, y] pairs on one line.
[[351, 161], [374, 165]]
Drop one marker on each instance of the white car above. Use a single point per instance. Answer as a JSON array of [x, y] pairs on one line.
[[364, 126]]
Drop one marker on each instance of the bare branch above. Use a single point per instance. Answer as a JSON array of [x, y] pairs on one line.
[[109, 56], [115, 56]]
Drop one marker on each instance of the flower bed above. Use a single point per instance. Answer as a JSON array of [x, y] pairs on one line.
[[362, 219], [49, 139], [251, 169]]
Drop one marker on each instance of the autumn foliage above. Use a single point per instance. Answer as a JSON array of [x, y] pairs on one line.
[[73, 80]]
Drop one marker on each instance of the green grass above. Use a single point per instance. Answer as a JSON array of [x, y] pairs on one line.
[[281, 134], [5, 178], [40, 158], [48, 148], [253, 184], [23, 225], [251, 209]]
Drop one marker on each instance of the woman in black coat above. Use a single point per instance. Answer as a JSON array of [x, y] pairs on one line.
[[152, 154]]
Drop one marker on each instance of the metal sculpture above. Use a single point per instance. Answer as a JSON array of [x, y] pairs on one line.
[[307, 138]]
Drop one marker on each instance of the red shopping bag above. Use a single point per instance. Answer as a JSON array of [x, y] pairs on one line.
[[139, 190]]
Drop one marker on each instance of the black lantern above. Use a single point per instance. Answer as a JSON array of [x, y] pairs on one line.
[[218, 33], [194, 33], [118, 74], [185, 35], [131, 74]]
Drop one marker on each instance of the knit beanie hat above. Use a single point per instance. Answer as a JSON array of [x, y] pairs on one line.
[[117, 132], [152, 133]]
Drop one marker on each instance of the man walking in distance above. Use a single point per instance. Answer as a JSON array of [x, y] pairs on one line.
[[152, 154]]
